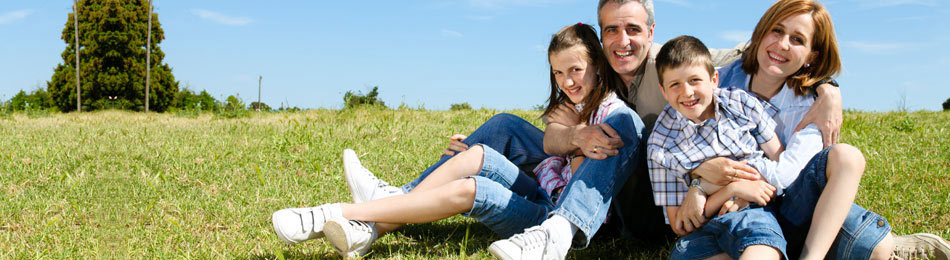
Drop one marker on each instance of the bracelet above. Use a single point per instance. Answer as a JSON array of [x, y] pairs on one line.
[[697, 182]]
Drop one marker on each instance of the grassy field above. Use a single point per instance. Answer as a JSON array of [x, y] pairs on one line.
[[132, 185]]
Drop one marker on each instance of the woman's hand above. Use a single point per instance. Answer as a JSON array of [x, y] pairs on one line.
[[456, 145], [690, 214], [758, 192], [722, 171], [825, 113]]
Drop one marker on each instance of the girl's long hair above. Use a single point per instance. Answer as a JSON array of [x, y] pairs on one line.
[[585, 36]]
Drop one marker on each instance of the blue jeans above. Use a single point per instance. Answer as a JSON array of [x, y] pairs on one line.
[[499, 204], [519, 141], [588, 195], [862, 229], [731, 234]]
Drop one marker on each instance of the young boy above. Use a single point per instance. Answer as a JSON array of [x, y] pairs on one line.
[[703, 122]]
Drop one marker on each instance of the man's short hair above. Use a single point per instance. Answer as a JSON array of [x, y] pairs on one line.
[[681, 51], [647, 4]]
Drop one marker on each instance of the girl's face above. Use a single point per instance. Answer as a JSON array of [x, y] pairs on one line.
[[573, 72], [786, 47]]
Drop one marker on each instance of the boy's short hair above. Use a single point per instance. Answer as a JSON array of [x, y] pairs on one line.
[[680, 51]]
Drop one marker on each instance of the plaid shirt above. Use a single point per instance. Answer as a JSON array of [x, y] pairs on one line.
[[677, 145], [555, 171]]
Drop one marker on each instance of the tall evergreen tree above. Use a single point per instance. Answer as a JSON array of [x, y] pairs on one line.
[[112, 35]]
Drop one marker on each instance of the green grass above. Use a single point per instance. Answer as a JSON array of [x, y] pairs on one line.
[[132, 185]]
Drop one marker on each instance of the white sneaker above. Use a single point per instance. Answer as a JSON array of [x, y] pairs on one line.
[[350, 238], [364, 186], [920, 246], [295, 225], [534, 243]]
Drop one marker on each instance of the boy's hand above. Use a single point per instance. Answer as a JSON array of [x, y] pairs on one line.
[[721, 171], [733, 206], [758, 192], [456, 145], [690, 215]]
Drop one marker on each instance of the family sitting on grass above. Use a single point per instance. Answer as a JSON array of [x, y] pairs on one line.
[[742, 161]]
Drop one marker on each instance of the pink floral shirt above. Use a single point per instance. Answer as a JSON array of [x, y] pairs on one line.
[[555, 172]]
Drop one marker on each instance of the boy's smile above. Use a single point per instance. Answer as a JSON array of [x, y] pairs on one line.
[[689, 90]]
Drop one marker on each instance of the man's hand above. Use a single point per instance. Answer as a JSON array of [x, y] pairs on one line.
[[596, 141], [456, 145], [690, 215], [825, 113], [733, 206], [758, 192], [565, 114], [722, 171]]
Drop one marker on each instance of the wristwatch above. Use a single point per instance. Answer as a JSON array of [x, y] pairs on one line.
[[697, 182]]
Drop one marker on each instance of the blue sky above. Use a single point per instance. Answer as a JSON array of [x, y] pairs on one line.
[[489, 53]]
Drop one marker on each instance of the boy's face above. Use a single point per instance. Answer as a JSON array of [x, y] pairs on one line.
[[689, 90]]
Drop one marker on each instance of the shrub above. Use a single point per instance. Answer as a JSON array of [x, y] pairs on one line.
[[264, 107], [946, 104], [233, 108], [39, 99], [186, 99], [352, 100], [462, 106]]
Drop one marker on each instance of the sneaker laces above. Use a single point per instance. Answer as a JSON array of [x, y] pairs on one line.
[[379, 183], [905, 251], [532, 238]]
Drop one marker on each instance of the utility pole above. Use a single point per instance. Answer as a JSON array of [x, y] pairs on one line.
[[148, 56], [76, 26], [259, 79]]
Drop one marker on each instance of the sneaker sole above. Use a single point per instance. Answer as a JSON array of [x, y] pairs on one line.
[[354, 190], [337, 237], [499, 253]]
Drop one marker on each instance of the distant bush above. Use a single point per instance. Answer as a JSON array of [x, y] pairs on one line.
[[187, 100], [462, 106], [351, 100], [39, 99], [264, 107], [233, 107], [946, 104]]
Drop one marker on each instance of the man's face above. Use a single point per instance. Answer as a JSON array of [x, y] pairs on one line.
[[626, 36]]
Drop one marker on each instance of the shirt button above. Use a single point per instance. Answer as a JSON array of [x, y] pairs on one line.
[[880, 223]]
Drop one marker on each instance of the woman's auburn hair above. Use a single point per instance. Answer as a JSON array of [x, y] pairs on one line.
[[585, 36], [827, 62]]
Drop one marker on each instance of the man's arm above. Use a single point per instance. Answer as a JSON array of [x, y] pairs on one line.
[[595, 141], [825, 113]]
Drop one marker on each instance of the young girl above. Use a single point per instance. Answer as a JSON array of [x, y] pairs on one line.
[[479, 182]]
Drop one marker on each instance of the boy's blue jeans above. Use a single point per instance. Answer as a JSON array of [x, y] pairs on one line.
[[588, 195], [859, 235]]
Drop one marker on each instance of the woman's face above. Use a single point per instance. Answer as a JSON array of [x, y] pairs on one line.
[[786, 47], [574, 74]]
